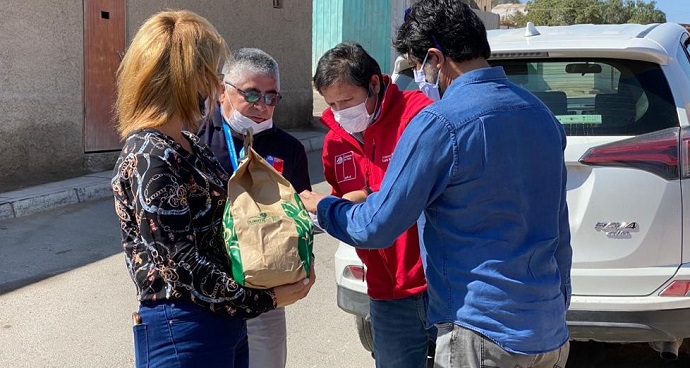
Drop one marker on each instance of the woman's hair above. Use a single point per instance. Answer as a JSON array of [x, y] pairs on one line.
[[171, 65], [247, 62], [349, 63]]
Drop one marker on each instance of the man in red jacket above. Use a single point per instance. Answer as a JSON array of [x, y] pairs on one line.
[[366, 117]]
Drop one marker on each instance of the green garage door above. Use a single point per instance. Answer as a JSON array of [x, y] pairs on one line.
[[364, 21]]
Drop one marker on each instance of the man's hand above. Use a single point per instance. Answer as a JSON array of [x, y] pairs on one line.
[[356, 196], [311, 200]]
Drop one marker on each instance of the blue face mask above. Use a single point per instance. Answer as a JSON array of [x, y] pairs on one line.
[[430, 89]]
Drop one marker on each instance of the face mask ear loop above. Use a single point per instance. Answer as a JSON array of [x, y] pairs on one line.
[[421, 67], [231, 105], [370, 92], [373, 114]]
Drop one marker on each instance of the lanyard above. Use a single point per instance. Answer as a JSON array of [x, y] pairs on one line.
[[231, 145]]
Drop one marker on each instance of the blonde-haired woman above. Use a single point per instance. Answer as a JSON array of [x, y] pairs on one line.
[[169, 196]]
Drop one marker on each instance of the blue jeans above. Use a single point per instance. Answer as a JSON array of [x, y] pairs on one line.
[[399, 331], [181, 334]]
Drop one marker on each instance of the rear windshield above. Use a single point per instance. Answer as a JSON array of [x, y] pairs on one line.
[[598, 96]]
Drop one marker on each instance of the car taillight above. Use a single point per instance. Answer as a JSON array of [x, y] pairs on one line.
[[677, 288], [664, 153], [355, 272]]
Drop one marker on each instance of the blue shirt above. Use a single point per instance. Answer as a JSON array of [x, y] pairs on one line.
[[483, 172]]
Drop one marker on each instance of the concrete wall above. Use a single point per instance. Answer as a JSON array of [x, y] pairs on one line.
[[284, 33], [491, 20], [41, 75], [484, 5], [41, 108]]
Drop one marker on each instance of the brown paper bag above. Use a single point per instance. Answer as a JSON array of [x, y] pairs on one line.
[[268, 233]]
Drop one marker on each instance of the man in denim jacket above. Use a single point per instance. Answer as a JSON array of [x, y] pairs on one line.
[[482, 171]]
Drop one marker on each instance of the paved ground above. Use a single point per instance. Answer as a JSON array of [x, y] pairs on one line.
[[66, 300]]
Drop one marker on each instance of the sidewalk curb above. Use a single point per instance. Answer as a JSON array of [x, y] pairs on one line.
[[44, 197], [93, 186]]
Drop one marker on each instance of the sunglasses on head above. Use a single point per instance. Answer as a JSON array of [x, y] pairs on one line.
[[253, 96]]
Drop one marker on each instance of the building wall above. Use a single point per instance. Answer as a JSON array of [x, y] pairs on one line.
[[398, 8], [327, 20], [368, 23], [284, 33], [491, 20], [41, 76], [484, 5], [363, 21], [41, 109]]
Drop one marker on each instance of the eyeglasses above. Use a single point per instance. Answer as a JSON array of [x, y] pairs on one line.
[[253, 96]]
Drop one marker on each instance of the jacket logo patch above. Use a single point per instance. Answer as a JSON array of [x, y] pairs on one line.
[[386, 158], [345, 168]]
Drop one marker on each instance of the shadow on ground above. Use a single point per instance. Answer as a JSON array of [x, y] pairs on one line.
[[640, 355], [39, 246], [36, 247], [315, 167]]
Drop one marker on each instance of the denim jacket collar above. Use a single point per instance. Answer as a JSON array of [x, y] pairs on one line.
[[475, 76]]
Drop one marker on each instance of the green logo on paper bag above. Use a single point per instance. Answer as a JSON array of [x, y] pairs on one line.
[[232, 246], [262, 218], [305, 229]]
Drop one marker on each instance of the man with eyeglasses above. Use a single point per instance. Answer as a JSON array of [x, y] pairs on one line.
[[251, 84]]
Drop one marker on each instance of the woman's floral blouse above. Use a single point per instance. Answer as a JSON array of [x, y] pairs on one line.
[[170, 204]]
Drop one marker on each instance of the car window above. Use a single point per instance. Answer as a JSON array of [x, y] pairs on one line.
[[598, 96], [683, 55]]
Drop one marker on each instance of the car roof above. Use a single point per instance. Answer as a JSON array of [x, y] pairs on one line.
[[652, 42]]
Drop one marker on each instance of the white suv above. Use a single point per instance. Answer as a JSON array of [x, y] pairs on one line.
[[622, 93]]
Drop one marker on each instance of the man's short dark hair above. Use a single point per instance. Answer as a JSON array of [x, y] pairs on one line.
[[347, 62], [448, 25]]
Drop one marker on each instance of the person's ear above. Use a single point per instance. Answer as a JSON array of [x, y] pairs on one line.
[[375, 84], [222, 95], [435, 58]]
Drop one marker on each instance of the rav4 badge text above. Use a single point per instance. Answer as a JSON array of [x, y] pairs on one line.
[[619, 230]]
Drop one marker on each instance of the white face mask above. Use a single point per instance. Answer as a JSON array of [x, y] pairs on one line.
[[239, 122], [431, 90], [354, 119]]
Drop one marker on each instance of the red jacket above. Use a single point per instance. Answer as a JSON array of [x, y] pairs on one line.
[[394, 272]]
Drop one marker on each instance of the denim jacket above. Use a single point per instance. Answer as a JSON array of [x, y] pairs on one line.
[[482, 171]]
